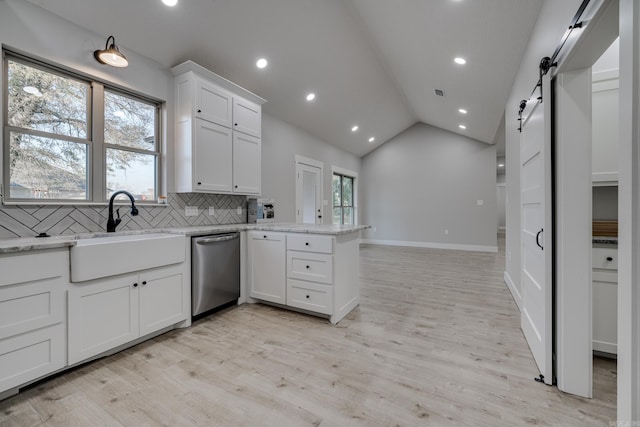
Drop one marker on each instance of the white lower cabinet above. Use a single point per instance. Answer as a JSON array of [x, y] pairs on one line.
[[605, 300], [321, 273], [32, 315], [266, 266], [106, 313]]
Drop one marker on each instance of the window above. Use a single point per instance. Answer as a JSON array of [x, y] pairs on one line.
[[62, 145], [344, 196]]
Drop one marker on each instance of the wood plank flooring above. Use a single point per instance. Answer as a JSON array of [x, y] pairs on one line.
[[435, 342]]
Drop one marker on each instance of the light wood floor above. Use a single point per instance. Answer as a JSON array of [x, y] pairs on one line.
[[436, 341]]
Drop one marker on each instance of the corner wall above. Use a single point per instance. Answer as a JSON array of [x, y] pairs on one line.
[[280, 143], [425, 181]]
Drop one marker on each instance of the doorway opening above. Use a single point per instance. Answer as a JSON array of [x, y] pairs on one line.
[[309, 175]]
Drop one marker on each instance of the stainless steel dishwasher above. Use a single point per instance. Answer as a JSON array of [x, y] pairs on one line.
[[215, 271]]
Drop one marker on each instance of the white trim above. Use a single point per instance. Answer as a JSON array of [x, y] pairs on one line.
[[432, 245], [350, 174], [308, 161], [515, 293]]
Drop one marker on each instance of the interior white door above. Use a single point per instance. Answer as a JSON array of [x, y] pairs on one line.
[[308, 194], [535, 196]]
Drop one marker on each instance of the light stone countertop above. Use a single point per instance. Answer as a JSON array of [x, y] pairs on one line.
[[25, 244]]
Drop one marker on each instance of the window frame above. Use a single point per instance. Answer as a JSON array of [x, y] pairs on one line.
[[96, 161], [341, 172]]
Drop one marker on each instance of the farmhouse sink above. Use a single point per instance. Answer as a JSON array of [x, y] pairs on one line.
[[111, 255]]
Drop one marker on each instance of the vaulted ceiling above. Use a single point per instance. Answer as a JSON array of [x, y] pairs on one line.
[[371, 63]]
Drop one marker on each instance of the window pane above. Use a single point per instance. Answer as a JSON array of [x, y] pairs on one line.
[[337, 194], [337, 215], [347, 191], [133, 172], [129, 122], [347, 216], [46, 102], [45, 168]]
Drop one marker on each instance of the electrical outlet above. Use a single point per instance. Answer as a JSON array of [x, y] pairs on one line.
[[446, 231], [212, 210], [325, 203], [190, 211], [480, 202], [239, 210]]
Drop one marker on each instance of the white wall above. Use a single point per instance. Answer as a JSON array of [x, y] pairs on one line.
[[552, 22], [280, 143], [426, 180]]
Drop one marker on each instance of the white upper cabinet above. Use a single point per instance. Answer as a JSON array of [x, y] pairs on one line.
[[213, 103], [605, 128], [247, 160], [218, 147], [247, 117]]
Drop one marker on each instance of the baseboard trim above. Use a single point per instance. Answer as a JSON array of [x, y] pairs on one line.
[[474, 248], [515, 294]]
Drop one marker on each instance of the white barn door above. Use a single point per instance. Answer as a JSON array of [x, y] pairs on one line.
[[535, 195]]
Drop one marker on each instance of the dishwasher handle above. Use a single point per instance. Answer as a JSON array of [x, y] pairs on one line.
[[216, 239]]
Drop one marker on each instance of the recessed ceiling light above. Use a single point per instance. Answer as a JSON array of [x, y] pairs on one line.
[[170, 2], [372, 139], [462, 126], [462, 111], [500, 165], [355, 128], [311, 96], [460, 61], [261, 63]]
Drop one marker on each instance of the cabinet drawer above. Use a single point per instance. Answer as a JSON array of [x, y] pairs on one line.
[[605, 258], [20, 268], [310, 266], [29, 356], [310, 243], [30, 306], [310, 296]]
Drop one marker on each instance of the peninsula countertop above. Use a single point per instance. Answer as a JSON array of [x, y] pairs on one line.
[[25, 244]]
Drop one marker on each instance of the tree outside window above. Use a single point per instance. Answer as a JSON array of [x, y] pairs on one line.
[[343, 206]]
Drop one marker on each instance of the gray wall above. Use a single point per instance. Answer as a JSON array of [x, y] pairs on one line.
[[552, 22], [280, 143], [427, 180]]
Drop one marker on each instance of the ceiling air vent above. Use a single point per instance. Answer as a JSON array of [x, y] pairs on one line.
[[439, 92]]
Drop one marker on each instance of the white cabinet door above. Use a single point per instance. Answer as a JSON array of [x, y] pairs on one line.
[[267, 266], [605, 120], [212, 159], [102, 316], [247, 117], [161, 299], [247, 160], [213, 103]]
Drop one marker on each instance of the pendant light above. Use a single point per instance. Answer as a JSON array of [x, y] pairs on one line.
[[111, 55]]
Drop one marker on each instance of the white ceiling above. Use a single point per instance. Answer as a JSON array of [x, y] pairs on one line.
[[374, 63]]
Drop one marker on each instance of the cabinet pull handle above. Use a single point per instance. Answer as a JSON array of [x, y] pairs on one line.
[[307, 243], [609, 259], [135, 285], [264, 236], [199, 111], [144, 283], [308, 267], [199, 183], [235, 124], [307, 296], [236, 186], [538, 238]]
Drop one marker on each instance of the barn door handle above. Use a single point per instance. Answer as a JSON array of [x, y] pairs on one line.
[[538, 238]]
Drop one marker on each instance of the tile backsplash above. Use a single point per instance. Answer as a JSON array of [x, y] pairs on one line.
[[28, 221]]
